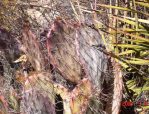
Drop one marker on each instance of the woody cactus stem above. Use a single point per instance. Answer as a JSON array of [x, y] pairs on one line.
[[8, 72], [118, 87], [74, 102], [31, 47]]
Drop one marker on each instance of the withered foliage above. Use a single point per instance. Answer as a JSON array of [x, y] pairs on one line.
[[56, 59]]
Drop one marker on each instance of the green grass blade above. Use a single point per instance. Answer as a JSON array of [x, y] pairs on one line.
[[143, 4], [122, 8], [139, 20], [132, 35], [138, 62], [131, 22], [130, 46], [126, 52], [144, 54]]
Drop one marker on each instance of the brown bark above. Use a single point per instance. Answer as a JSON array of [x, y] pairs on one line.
[[118, 87]]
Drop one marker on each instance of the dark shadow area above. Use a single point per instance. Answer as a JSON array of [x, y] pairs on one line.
[[59, 104], [127, 110], [1, 69]]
